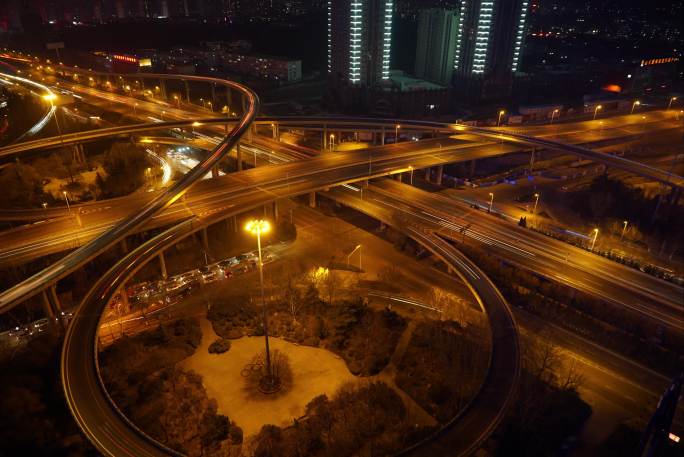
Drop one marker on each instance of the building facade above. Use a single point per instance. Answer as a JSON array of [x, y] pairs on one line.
[[489, 45], [359, 41], [438, 34]]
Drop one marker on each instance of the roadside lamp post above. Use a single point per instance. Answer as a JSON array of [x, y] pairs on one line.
[[50, 97], [624, 229], [162, 114], [203, 104], [332, 141], [635, 104], [593, 242], [491, 201], [211, 108], [536, 202], [357, 248], [66, 199], [669, 105], [44, 205], [553, 115], [175, 97], [411, 168], [135, 111], [396, 133], [498, 121], [256, 227], [596, 110]]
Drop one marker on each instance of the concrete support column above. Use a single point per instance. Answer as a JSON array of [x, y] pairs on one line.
[[325, 137], [382, 136], [54, 299], [235, 224], [162, 265], [229, 98], [125, 305], [427, 174], [472, 167], [244, 105], [124, 246], [214, 171], [398, 177], [187, 90], [162, 88], [312, 199], [47, 307], [440, 173], [205, 239], [532, 160], [275, 211], [238, 157]]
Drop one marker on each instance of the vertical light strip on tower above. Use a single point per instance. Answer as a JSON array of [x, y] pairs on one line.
[[329, 36], [484, 23], [459, 34], [355, 26], [519, 36], [387, 39]]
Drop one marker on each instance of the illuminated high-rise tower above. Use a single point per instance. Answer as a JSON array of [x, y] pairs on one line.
[[359, 40], [490, 41]]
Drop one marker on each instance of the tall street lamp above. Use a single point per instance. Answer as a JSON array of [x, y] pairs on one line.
[[553, 115], [498, 121], [491, 201], [268, 383], [596, 110], [669, 105], [624, 229], [593, 242], [50, 97], [66, 199], [175, 97], [411, 168], [396, 133], [332, 141], [536, 202], [636, 103], [358, 247]]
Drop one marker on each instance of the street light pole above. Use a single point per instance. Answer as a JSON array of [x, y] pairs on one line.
[[51, 98], [536, 202], [396, 133], [491, 201], [358, 247], [411, 168], [669, 105], [257, 227], [624, 228], [332, 141], [636, 103], [594, 240], [501, 113], [553, 115], [67, 200], [598, 107]]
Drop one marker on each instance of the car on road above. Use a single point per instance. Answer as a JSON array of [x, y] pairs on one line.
[[39, 326], [19, 332]]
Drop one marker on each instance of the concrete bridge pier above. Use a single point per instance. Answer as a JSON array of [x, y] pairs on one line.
[[238, 157], [427, 174], [47, 307], [162, 265], [187, 90], [215, 171], [472, 167], [325, 137], [382, 137], [205, 238], [440, 174], [312, 199], [124, 246], [532, 160], [54, 299], [162, 88], [275, 211]]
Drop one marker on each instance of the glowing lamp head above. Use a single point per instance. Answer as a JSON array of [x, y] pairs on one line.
[[502, 112], [196, 124], [637, 102], [258, 226], [50, 97]]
